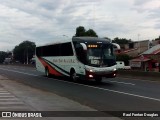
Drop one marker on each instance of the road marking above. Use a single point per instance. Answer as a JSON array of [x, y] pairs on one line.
[[10, 102], [7, 96], [120, 82], [115, 91], [20, 72], [8, 99], [4, 93], [128, 78]]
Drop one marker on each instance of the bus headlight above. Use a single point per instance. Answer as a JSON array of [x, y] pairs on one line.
[[114, 69], [89, 70], [90, 76], [89, 73]]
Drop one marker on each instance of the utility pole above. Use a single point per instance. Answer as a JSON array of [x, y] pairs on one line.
[[27, 55], [65, 36], [138, 44]]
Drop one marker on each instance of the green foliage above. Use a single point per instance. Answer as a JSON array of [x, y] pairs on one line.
[[123, 57], [3, 55], [121, 40], [107, 38], [24, 49], [91, 33], [80, 31], [157, 38]]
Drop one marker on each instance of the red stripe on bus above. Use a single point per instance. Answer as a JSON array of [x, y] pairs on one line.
[[51, 69]]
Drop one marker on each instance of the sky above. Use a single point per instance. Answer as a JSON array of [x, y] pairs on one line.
[[43, 21]]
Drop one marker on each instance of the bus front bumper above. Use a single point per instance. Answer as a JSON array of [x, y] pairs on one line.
[[93, 75]]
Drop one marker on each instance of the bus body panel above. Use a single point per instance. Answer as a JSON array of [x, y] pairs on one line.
[[60, 64], [47, 57]]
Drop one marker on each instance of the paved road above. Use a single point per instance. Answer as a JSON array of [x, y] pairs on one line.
[[118, 94]]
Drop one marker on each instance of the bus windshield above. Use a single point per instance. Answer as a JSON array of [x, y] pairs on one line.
[[97, 55], [101, 56]]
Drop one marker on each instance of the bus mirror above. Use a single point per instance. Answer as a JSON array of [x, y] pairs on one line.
[[84, 46], [116, 46], [81, 51]]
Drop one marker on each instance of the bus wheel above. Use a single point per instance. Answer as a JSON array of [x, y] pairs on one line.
[[98, 79], [73, 75], [47, 72]]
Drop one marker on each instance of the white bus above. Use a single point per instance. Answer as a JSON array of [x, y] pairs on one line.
[[79, 57]]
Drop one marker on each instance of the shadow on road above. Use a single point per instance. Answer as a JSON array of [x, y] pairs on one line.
[[84, 82]]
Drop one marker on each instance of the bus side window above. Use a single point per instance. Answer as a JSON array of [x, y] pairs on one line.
[[66, 49]]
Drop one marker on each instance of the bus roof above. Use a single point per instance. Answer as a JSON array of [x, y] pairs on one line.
[[90, 39], [57, 41], [78, 39]]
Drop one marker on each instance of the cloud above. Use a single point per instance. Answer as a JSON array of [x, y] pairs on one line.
[[154, 13], [141, 2], [146, 5], [42, 21]]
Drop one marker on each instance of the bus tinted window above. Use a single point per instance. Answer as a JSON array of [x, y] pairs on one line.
[[66, 49], [54, 50], [51, 50], [38, 51]]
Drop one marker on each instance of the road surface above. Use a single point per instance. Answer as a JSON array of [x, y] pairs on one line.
[[118, 94]]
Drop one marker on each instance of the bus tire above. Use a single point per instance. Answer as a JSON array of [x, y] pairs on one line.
[[47, 72], [98, 79], [73, 74]]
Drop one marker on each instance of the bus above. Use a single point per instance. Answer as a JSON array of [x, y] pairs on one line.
[[78, 57]]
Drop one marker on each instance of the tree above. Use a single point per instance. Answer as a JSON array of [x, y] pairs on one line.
[[3, 55], [80, 31], [91, 33], [24, 51], [157, 38], [121, 40], [107, 38], [123, 57]]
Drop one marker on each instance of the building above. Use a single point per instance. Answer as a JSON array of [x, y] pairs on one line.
[[7, 61], [134, 49], [148, 60], [155, 42]]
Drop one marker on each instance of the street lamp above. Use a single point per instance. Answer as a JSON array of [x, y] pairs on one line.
[[27, 55], [139, 44], [65, 36]]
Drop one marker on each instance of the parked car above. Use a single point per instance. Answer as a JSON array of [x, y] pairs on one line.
[[119, 64], [127, 67]]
